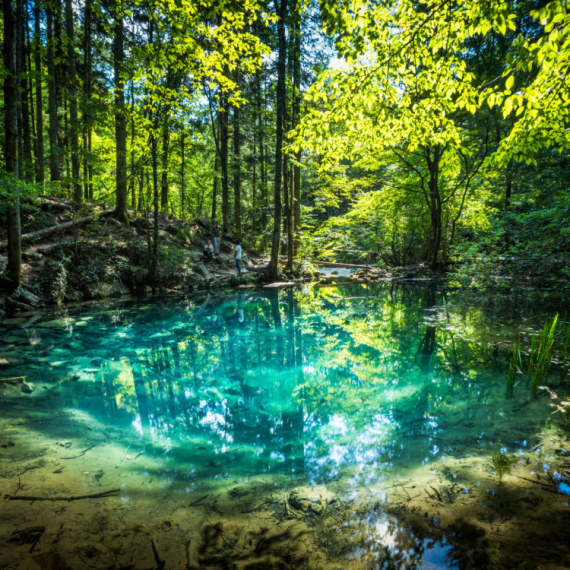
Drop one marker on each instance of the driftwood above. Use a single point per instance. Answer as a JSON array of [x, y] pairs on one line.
[[72, 498], [59, 228]]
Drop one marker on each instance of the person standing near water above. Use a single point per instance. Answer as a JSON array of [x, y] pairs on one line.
[[237, 257], [217, 238]]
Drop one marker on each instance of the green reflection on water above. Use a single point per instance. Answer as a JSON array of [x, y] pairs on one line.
[[363, 385]]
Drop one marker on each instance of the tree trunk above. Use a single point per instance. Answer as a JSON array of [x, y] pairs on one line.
[[133, 177], [13, 270], [87, 64], [164, 175], [182, 144], [27, 161], [215, 187], [39, 100], [435, 205], [237, 174], [72, 91], [121, 203], [223, 120], [263, 173], [54, 167], [154, 256], [295, 121], [281, 9]]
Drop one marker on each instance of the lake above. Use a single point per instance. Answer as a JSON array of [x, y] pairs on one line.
[[324, 427]]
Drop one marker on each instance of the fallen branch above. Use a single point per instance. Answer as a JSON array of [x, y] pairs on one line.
[[59, 228], [73, 498], [81, 454]]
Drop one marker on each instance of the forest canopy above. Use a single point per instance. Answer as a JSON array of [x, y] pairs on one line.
[[431, 131]]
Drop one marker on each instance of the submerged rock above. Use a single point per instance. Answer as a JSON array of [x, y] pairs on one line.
[[27, 535], [310, 499], [27, 387]]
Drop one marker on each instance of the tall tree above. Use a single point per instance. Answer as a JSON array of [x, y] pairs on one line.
[[27, 165], [296, 114], [281, 10], [223, 122], [54, 153], [72, 95], [11, 145], [164, 167], [121, 197], [237, 172], [39, 95], [87, 81]]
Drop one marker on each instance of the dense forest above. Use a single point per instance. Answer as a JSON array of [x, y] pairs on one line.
[[428, 131]]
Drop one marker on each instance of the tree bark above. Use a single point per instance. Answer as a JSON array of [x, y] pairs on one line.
[[121, 203], [87, 64], [182, 165], [215, 187], [164, 174], [72, 92], [237, 174], [39, 100], [295, 121], [223, 120], [54, 166], [27, 160], [281, 9], [435, 205], [263, 178], [13, 270]]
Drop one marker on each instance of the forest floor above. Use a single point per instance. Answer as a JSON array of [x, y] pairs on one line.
[[104, 258]]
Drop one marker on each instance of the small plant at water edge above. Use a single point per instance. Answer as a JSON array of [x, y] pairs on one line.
[[501, 463]]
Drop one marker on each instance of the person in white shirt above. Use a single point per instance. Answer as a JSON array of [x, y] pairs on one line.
[[208, 252], [237, 257]]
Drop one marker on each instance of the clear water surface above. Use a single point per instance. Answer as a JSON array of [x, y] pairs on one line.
[[320, 410]]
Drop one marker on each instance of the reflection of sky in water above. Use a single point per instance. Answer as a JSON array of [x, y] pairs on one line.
[[365, 388]]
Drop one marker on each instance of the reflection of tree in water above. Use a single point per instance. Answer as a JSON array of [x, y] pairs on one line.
[[384, 366]]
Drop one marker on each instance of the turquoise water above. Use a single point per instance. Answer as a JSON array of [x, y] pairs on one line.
[[288, 429]]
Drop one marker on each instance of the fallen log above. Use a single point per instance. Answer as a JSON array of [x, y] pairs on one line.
[[59, 228], [347, 265], [73, 498]]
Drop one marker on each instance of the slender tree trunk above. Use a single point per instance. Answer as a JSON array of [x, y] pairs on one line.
[[61, 102], [27, 161], [87, 63], [215, 187], [223, 120], [281, 9], [262, 166], [11, 144], [73, 93], [237, 174], [295, 122], [39, 99], [30, 88], [435, 205], [121, 203], [182, 165], [54, 153], [253, 198], [133, 178], [154, 256], [164, 175]]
